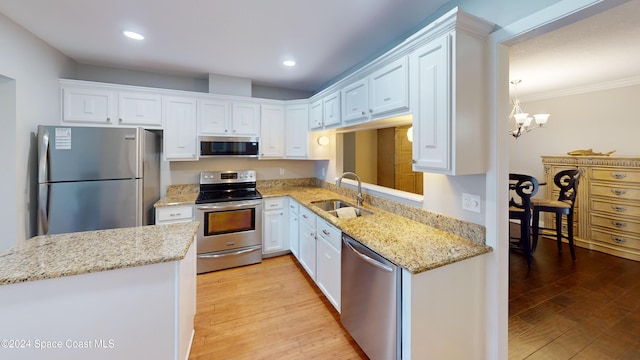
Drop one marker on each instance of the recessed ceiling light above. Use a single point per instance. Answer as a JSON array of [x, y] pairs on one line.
[[289, 63], [133, 35]]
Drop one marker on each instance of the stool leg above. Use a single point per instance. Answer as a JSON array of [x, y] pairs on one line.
[[559, 231], [535, 229], [570, 235]]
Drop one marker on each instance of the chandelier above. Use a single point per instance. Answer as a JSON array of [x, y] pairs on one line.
[[524, 122]]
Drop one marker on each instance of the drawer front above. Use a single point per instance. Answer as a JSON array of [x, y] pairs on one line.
[[174, 213], [615, 207], [613, 238], [329, 233], [273, 203], [624, 176], [308, 216], [616, 224], [615, 192]]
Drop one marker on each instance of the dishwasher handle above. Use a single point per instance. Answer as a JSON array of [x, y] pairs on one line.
[[368, 259]]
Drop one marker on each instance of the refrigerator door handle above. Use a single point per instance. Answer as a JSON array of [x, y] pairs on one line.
[[43, 166], [43, 209]]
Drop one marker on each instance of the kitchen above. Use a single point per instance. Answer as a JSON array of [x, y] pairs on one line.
[[38, 80]]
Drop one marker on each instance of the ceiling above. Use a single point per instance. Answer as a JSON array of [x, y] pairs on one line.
[[600, 49], [250, 38]]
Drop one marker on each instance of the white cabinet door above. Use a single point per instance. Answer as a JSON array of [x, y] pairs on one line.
[[307, 240], [355, 101], [332, 110], [389, 88], [179, 139], [297, 133], [273, 231], [272, 131], [86, 105], [294, 229], [315, 115], [430, 99], [214, 117], [328, 273], [140, 109], [245, 119]]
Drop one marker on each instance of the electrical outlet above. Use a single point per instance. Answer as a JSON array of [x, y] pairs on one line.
[[281, 171], [470, 202]]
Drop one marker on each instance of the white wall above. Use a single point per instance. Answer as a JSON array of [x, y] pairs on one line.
[[36, 68], [8, 140], [602, 120]]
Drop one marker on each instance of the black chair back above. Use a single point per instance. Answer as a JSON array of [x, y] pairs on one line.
[[567, 181], [525, 187]]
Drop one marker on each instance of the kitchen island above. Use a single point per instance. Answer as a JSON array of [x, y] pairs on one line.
[[121, 293]]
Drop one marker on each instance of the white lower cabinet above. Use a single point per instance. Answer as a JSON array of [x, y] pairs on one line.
[[294, 228], [307, 233], [174, 214], [328, 261], [274, 224]]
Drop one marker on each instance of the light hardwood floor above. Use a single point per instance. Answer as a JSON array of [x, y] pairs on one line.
[[270, 310]]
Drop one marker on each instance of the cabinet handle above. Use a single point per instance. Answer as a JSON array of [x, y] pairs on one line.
[[618, 192], [618, 208], [618, 239], [175, 214], [387, 99], [326, 232], [414, 161], [305, 216], [619, 224], [619, 175]]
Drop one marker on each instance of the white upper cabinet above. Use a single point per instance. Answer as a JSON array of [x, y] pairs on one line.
[[221, 117], [384, 93], [179, 135], [355, 101], [326, 112], [245, 119], [389, 88], [296, 131], [214, 117], [272, 134], [89, 103], [448, 90], [139, 109]]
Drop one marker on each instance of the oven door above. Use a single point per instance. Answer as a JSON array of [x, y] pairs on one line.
[[229, 225]]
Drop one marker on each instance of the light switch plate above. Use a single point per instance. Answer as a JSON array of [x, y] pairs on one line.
[[471, 202]]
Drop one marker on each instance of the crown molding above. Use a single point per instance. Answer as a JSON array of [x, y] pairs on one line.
[[607, 85]]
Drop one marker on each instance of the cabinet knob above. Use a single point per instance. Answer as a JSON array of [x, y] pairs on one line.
[[371, 111], [108, 119], [618, 239], [414, 161], [120, 120]]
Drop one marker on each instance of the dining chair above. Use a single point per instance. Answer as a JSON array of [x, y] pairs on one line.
[[524, 187], [567, 181]]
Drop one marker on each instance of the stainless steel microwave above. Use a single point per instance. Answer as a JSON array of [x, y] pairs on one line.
[[228, 146]]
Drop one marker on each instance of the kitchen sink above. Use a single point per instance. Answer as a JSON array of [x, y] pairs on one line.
[[332, 205]]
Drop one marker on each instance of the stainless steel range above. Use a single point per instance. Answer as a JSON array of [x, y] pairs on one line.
[[229, 209]]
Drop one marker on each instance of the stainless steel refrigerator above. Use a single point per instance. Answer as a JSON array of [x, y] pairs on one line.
[[92, 178]]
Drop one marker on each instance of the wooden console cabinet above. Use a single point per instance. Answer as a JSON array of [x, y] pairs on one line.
[[607, 213]]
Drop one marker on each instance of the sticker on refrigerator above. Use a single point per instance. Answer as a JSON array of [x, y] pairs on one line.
[[63, 139]]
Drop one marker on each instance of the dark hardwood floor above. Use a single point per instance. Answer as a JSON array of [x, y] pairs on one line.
[[559, 309]]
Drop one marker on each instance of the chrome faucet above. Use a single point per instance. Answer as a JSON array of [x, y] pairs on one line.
[[359, 195]]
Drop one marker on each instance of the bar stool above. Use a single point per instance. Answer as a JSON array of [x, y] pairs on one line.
[[567, 181], [525, 187]]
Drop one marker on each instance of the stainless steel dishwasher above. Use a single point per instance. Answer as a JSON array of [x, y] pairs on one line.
[[371, 305]]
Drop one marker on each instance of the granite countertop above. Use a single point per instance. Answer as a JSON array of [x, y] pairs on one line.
[[179, 195], [52, 256], [410, 244]]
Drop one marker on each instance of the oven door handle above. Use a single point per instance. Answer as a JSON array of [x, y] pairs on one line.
[[228, 206], [219, 255]]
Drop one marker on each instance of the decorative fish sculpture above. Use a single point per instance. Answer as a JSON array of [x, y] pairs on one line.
[[589, 152]]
